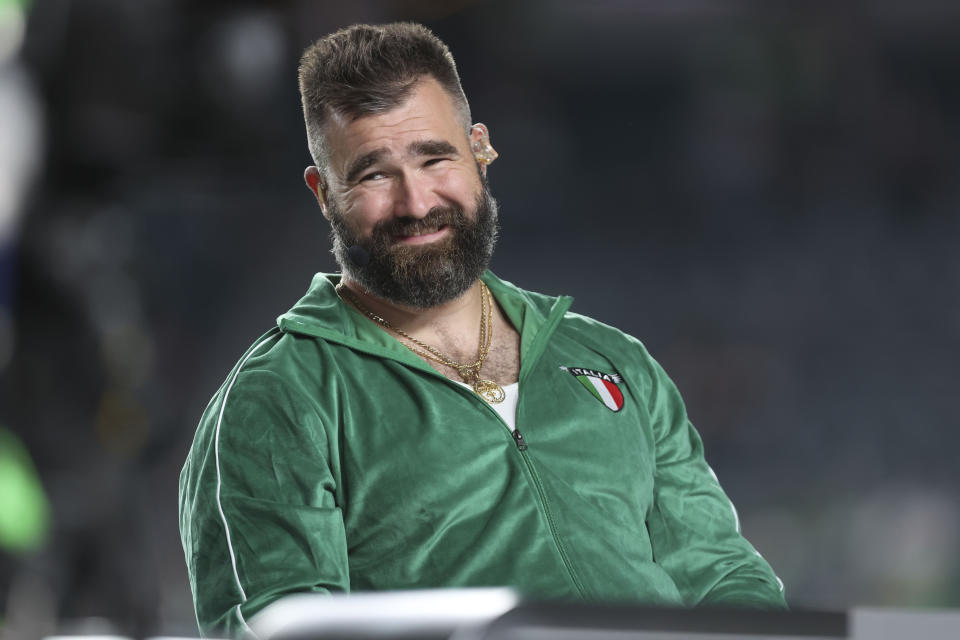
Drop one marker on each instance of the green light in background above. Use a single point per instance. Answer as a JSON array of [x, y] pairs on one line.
[[24, 512], [13, 25], [20, 4]]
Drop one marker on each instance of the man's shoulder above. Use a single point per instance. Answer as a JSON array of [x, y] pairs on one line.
[[273, 365], [591, 327], [271, 353], [271, 379], [600, 337]]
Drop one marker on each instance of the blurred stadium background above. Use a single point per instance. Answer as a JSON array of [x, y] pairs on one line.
[[766, 194]]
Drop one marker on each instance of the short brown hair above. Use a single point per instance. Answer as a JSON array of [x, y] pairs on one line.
[[370, 69]]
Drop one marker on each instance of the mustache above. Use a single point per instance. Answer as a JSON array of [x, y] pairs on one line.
[[435, 218]]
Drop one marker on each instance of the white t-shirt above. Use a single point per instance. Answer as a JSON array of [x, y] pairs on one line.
[[508, 408]]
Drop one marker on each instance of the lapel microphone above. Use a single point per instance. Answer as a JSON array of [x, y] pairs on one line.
[[358, 255]]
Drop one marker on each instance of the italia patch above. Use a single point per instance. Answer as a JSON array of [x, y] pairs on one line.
[[602, 385]]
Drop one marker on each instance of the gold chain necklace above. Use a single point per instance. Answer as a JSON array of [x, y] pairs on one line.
[[486, 389]]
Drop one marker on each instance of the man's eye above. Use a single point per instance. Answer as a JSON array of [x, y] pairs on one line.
[[375, 175], [433, 161]]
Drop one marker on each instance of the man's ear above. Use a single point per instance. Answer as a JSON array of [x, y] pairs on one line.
[[480, 145], [318, 186]]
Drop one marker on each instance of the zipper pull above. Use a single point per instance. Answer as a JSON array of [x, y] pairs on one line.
[[521, 443]]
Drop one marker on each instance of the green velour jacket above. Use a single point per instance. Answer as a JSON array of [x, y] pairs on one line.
[[333, 459]]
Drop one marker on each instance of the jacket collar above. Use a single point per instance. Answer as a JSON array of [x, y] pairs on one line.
[[322, 314]]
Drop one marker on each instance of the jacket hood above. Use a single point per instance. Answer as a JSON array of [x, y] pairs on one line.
[[322, 314]]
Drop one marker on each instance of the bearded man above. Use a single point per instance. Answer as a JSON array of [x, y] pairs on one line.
[[417, 422]]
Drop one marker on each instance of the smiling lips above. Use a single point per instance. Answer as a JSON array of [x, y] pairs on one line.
[[424, 235]]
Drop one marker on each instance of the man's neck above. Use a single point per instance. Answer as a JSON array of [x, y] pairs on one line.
[[453, 328], [460, 316]]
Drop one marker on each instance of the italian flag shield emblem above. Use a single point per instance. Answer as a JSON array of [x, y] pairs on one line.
[[603, 386]]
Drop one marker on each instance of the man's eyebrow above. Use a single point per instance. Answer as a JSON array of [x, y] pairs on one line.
[[419, 148], [431, 148], [364, 162]]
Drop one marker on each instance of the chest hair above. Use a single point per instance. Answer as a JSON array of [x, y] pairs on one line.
[[502, 364]]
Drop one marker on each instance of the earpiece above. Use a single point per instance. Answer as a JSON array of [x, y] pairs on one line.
[[482, 149]]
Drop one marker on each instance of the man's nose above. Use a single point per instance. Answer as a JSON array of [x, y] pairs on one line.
[[416, 196]]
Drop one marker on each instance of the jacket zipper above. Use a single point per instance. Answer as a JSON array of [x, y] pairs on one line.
[[521, 443], [551, 523], [533, 356]]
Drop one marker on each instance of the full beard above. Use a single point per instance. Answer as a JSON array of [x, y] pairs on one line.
[[420, 276]]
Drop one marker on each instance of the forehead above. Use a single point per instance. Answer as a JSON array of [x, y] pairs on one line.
[[428, 114]]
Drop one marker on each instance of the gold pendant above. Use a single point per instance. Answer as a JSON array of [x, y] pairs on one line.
[[489, 391]]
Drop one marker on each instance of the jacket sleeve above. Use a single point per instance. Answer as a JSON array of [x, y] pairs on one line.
[[258, 518], [694, 528]]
